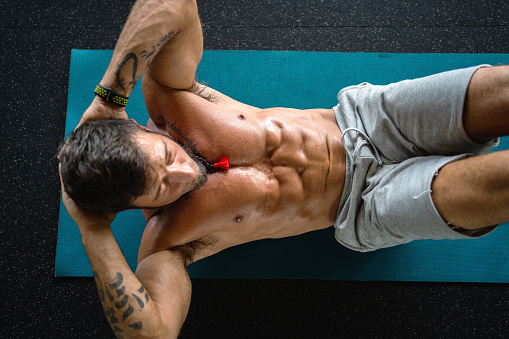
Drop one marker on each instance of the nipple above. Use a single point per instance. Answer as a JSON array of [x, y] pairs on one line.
[[238, 219]]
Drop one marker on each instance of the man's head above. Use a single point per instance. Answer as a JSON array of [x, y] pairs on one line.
[[113, 165]]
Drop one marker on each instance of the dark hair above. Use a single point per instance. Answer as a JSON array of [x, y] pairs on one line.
[[103, 168]]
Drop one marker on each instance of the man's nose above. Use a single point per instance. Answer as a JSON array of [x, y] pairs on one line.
[[183, 171]]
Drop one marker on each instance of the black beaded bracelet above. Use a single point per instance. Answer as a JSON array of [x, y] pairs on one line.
[[110, 95]]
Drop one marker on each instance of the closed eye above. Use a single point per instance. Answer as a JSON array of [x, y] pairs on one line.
[[159, 191], [163, 186], [167, 153], [170, 155]]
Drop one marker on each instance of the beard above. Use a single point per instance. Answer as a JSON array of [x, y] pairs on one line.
[[201, 176]]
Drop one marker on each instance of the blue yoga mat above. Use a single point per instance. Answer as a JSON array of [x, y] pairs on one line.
[[300, 80]]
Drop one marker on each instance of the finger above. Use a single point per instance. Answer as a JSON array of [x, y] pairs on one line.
[[141, 126]]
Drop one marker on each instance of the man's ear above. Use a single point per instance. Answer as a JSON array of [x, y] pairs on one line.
[[146, 129]]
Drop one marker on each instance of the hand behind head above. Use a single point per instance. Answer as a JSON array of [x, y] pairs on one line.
[[100, 109], [87, 220]]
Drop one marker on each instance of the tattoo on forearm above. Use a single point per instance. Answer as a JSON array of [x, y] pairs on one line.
[[145, 55], [120, 79], [122, 302], [117, 303], [141, 290], [140, 302], [127, 312], [148, 55]]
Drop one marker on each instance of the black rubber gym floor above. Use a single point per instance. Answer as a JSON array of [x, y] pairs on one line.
[[36, 40]]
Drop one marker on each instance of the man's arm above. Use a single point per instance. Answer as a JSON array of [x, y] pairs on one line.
[[162, 36], [152, 303]]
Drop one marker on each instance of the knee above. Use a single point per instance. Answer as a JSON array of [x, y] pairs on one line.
[[486, 109], [501, 81], [496, 83], [505, 85]]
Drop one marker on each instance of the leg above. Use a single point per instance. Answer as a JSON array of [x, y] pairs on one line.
[[474, 193], [486, 110]]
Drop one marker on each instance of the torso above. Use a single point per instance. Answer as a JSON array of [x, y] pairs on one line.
[[286, 173]]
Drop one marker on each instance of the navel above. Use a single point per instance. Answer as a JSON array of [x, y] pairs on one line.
[[238, 218], [241, 117]]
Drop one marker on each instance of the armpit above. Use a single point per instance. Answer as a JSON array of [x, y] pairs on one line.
[[203, 91], [195, 250]]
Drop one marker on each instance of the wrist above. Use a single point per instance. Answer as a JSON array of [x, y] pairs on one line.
[[103, 105], [97, 230], [110, 96]]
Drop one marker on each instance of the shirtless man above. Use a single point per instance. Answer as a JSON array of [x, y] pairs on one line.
[[291, 171]]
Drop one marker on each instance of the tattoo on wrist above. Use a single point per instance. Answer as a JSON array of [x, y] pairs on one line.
[[118, 303]]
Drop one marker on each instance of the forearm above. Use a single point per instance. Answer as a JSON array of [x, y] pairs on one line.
[[128, 306], [152, 303], [149, 27]]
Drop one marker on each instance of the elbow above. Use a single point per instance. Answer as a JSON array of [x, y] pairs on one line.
[[165, 332], [152, 327]]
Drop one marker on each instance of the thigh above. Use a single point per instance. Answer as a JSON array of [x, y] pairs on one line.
[[473, 193], [401, 208], [397, 207]]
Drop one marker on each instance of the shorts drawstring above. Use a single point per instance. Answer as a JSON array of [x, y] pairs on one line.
[[353, 156]]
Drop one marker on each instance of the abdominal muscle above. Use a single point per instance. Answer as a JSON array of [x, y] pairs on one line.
[[304, 170]]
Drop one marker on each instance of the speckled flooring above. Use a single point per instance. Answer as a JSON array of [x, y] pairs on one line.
[[36, 38]]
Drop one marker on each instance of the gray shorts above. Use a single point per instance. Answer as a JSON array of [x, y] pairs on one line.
[[397, 137]]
